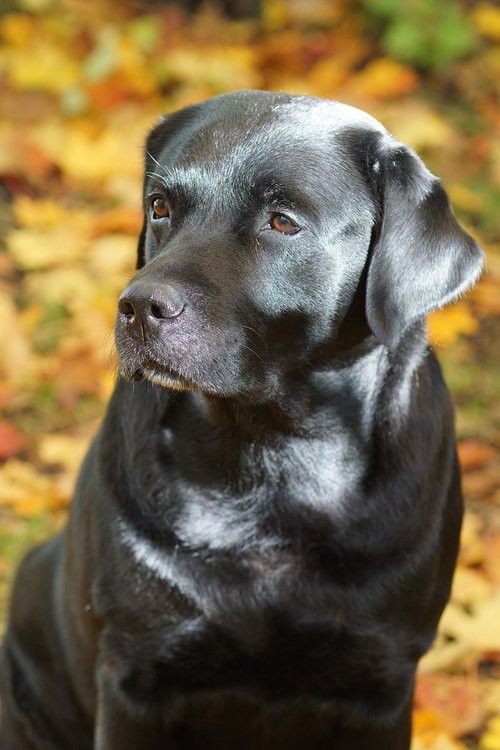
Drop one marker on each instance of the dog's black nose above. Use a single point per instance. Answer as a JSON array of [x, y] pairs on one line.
[[146, 305]]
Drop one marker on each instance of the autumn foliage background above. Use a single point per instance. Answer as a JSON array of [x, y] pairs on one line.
[[80, 84]]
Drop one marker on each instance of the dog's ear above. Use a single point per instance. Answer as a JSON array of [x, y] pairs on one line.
[[421, 259]]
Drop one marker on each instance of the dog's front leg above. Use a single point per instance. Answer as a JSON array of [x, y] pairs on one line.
[[121, 724]]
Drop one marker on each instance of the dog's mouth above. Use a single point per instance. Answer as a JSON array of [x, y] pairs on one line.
[[161, 377]]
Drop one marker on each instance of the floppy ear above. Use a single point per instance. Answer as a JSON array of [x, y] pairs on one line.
[[421, 259]]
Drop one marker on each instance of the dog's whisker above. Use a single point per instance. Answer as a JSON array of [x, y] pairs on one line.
[[162, 167]]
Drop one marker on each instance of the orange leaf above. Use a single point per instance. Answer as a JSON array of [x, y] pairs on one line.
[[383, 79], [11, 441], [455, 700], [474, 454]]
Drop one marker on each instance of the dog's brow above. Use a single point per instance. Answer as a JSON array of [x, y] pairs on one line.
[[280, 194], [170, 181]]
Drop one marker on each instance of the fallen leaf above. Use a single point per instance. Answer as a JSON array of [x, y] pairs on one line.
[[225, 68], [41, 213], [490, 740], [63, 450], [470, 587], [16, 355], [419, 125], [447, 655], [72, 287], [446, 325], [383, 79], [456, 700], [34, 248], [113, 255], [486, 18], [11, 440], [473, 454], [486, 296], [26, 491], [472, 550]]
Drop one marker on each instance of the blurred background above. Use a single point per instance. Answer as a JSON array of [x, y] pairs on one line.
[[80, 84]]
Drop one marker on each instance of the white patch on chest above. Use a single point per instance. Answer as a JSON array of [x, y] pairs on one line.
[[158, 561], [206, 523]]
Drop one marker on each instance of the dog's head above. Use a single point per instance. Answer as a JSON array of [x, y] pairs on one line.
[[268, 218]]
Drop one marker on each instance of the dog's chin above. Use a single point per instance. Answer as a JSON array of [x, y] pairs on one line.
[[159, 377], [165, 379]]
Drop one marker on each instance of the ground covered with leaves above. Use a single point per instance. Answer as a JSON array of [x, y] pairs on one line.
[[80, 84]]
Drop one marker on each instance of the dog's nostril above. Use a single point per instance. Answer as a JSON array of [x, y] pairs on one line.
[[156, 311], [143, 304], [165, 304], [126, 309]]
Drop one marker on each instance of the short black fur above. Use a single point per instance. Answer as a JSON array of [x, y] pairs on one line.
[[265, 528]]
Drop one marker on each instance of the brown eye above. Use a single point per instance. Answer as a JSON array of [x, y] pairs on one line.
[[159, 207], [283, 224]]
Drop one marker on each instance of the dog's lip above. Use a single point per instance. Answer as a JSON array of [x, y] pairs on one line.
[[165, 377]]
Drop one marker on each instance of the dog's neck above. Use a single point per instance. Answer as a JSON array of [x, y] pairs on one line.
[[313, 401], [308, 402]]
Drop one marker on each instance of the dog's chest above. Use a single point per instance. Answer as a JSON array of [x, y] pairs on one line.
[[221, 621], [240, 574], [248, 537]]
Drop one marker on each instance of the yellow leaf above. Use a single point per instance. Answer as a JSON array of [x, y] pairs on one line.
[[223, 68], [439, 742], [94, 326], [33, 248], [469, 587], [491, 738], [383, 79], [486, 18], [48, 135], [113, 255], [124, 220], [17, 30], [483, 629], [45, 68], [16, 355], [26, 491], [487, 296], [447, 655], [36, 6], [72, 287], [135, 69], [418, 125], [465, 198], [37, 213], [427, 721], [62, 450], [85, 153], [445, 326], [480, 630], [472, 550], [90, 157], [492, 697]]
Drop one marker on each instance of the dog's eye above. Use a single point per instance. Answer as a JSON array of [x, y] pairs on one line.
[[283, 224], [159, 207]]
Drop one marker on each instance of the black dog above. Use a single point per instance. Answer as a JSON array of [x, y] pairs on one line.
[[265, 528]]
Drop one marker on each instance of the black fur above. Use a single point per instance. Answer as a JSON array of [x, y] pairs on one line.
[[265, 527]]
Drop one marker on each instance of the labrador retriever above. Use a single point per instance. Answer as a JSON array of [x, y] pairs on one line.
[[265, 528]]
